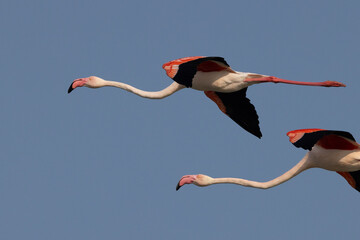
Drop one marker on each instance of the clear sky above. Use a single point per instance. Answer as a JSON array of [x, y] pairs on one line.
[[103, 164]]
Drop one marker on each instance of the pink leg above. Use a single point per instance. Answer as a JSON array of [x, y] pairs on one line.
[[279, 80]]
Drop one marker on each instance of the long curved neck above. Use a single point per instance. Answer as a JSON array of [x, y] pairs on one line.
[[298, 168], [174, 87]]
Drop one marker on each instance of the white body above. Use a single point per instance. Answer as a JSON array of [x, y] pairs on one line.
[[334, 159], [222, 81]]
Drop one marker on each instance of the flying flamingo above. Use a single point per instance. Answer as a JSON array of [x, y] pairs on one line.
[[226, 87], [330, 150]]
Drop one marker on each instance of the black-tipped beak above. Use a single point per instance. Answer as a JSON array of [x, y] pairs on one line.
[[70, 88], [178, 186]]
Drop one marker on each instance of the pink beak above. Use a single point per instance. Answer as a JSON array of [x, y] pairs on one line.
[[77, 83], [187, 179]]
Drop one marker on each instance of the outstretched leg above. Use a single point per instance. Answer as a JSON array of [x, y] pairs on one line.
[[280, 80]]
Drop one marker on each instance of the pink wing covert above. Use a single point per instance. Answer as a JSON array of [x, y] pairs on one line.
[[296, 135], [328, 139], [172, 67]]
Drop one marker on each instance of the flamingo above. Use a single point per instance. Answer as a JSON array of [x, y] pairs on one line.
[[328, 149], [226, 87]]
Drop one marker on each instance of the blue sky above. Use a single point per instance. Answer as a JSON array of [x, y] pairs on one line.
[[103, 164]]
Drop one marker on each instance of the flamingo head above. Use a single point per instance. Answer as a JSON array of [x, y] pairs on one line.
[[91, 82], [199, 180]]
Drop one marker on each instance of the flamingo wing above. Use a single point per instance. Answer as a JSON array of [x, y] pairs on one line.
[[238, 107], [183, 70], [353, 178], [328, 139]]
